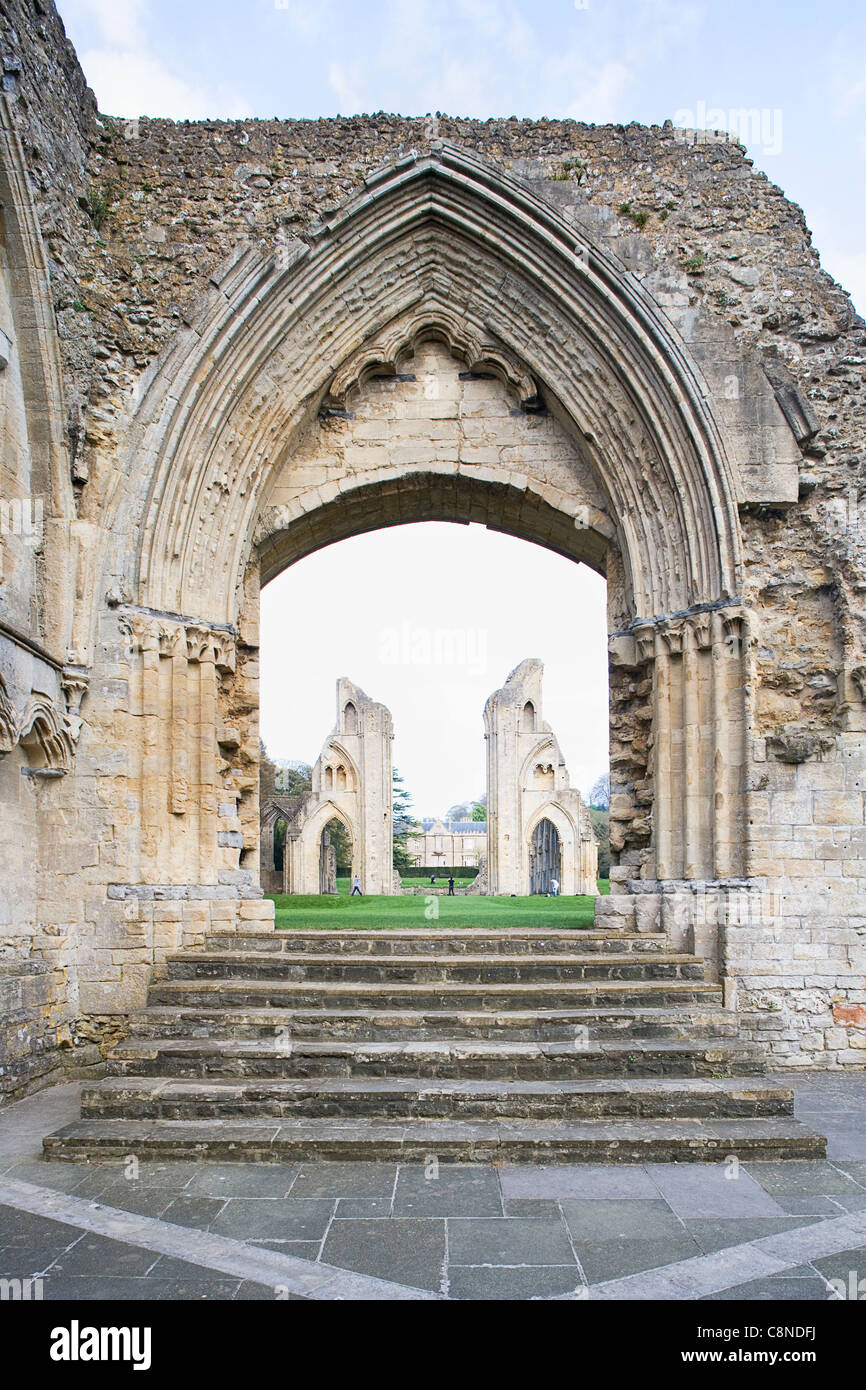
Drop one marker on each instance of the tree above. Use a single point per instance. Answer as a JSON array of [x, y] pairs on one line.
[[405, 823], [599, 797], [462, 811], [268, 773], [294, 779], [479, 811], [279, 845], [342, 842], [601, 828]]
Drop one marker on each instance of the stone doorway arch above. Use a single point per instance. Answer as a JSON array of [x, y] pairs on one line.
[[545, 858], [551, 397], [686, 415]]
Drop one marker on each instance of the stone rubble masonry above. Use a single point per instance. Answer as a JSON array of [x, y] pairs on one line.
[[227, 344]]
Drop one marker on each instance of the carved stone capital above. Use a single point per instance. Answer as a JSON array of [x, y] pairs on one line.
[[195, 641]]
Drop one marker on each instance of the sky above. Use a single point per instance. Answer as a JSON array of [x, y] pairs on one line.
[[430, 619], [800, 64]]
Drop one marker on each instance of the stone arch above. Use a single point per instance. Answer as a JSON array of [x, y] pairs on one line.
[[578, 858], [280, 828], [545, 858], [443, 249], [273, 813], [31, 358], [543, 755], [541, 296], [303, 846], [340, 764]]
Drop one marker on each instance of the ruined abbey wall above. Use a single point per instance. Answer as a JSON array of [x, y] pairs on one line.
[[128, 709]]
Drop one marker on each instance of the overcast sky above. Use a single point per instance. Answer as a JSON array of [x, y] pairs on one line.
[[801, 64], [430, 619]]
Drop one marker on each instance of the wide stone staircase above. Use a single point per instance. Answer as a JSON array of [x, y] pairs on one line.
[[520, 1046]]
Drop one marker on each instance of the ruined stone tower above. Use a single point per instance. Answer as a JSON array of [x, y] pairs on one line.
[[539, 832], [351, 783]]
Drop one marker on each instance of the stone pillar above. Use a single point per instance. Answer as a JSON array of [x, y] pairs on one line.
[[152, 731], [207, 740], [692, 760], [661, 766], [179, 730]]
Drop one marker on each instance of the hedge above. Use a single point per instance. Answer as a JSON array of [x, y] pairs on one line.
[[418, 872]]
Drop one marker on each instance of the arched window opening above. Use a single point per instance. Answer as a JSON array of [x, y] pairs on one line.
[[279, 845], [545, 859], [335, 858]]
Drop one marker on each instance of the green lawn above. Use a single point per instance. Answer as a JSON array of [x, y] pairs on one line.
[[380, 913]]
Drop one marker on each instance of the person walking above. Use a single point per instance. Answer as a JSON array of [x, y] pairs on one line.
[[356, 887], [451, 886], [554, 883]]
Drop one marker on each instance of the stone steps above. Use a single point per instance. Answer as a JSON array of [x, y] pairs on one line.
[[410, 1099], [516, 1046], [495, 998], [512, 942], [479, 1141], [282, 1056], [461, 969], [383, 1025]]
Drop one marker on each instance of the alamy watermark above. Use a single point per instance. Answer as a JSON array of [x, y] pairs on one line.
[[753, 126], [852, 1290], [21, 1290], [22, 517], [412, 645]]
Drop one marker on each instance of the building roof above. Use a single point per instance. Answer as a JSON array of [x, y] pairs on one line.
[[457, 827]]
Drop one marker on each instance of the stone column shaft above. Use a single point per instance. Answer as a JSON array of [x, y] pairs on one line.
[[662, 789]]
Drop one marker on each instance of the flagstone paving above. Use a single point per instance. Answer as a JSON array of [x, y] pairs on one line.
[[192, 1231]]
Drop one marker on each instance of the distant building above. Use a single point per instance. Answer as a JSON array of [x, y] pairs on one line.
[[459, 844]]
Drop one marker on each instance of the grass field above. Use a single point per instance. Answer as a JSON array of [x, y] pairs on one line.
[[342, 913]]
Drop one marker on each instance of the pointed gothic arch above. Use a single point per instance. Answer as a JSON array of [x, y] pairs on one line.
[[441, 248]]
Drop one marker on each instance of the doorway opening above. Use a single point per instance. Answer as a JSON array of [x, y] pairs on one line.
[[545, 859], [335, 858]]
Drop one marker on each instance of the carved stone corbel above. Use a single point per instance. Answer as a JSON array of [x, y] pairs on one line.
[[8, 721], [75, 682], [47, 733]]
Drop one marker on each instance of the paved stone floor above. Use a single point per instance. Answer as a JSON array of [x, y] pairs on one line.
[[386, 1231]]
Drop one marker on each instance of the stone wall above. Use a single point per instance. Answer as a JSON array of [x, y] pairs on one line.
[[141, 259]]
